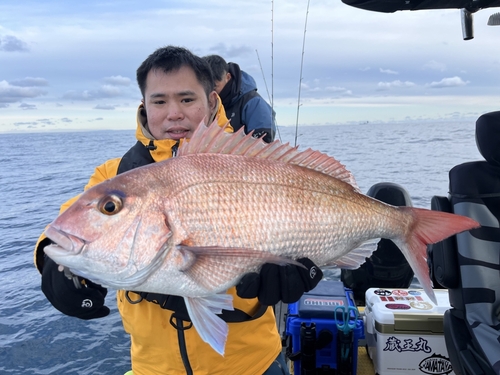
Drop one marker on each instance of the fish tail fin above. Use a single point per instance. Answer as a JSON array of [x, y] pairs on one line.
[[427, 228]]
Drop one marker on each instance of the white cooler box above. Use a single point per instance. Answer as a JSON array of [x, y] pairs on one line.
[[404, 332]]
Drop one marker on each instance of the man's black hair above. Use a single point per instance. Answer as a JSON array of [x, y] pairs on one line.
[[218, 65], [171, 58]]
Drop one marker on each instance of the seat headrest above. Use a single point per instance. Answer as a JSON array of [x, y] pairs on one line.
[[488, 137]]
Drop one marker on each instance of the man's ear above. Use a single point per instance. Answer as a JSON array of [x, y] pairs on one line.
[[212, 100], [143, 111]]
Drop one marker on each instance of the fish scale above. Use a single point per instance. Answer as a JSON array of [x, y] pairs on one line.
[[317, 212]]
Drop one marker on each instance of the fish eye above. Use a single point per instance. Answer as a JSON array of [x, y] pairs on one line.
[[110, 204]]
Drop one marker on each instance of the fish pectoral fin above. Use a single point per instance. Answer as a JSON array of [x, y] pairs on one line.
[[212, 329], [356, 257], [199, 263]]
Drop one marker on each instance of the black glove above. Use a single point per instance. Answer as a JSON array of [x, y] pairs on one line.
[[280, 283], [86, 302]]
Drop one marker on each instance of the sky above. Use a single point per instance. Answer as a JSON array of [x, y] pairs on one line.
[[68, 65]]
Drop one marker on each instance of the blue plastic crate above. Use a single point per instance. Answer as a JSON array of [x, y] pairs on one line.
[[326, 357]]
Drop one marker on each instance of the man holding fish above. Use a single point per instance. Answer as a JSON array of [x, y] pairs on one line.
[[214, 217], [178, 95]]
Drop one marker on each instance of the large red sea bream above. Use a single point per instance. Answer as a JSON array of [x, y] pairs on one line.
[[193, 225]]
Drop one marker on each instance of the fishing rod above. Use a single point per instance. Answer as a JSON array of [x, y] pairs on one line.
[[300, 80], [264, 78], [268, 95], [272, 68], [272, 65]]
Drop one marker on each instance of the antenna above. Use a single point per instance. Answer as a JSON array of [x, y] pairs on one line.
[[300, 80]]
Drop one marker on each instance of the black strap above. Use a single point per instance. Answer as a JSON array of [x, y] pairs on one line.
[[176, 304], [239, 316], [137, 156], [178, 324]]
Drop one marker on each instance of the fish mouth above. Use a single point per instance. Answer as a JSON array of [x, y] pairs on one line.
[[65, 242]]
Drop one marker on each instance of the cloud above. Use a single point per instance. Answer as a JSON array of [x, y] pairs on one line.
[[394, 84], [434, 65], [105, 91], [104, 106], [118, 80], [341, 90], [46, 121], [448, 82], [30, 82], [231, 51], [305, 86], [335, 89], [26, 106], [11, 94], [109, 91], [96, 119], [10, 43], [26, 123], [65, 119], [365, 69], [84, 95], [388, 71]]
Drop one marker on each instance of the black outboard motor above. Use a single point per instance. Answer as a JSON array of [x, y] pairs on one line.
[[387, 266], [469, 264]]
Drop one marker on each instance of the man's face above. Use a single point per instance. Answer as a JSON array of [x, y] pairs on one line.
[[176, 103], [219, 85]]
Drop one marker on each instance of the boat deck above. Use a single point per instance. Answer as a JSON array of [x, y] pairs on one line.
[[365, 364]]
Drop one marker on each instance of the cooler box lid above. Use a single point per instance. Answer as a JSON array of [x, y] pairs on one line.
[[408, 311]]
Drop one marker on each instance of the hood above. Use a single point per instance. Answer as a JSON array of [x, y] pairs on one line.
[[163, 148], [240, 83], [232, 88], [247, 83]]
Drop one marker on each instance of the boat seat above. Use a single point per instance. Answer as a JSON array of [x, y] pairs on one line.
[[468, 264], [387, 266]]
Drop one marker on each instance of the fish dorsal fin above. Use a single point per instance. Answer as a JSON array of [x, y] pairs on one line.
[[214, 139]]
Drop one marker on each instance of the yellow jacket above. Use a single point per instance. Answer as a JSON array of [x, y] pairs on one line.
[[251, 346]]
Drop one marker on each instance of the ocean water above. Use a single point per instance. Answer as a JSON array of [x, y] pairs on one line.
[[42, 170]]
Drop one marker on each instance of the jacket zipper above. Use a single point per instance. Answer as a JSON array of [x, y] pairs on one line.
[[174, 149]]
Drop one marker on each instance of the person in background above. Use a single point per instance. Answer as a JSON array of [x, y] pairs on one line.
[[242, 103], [177, 90]]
